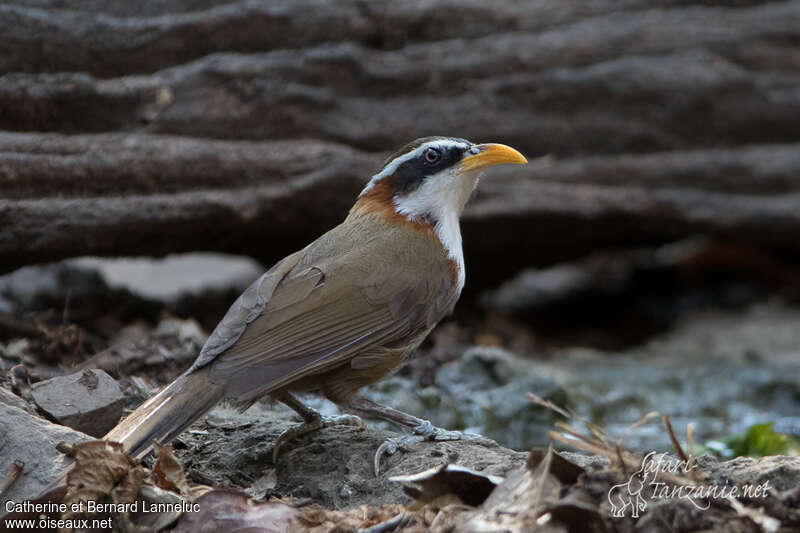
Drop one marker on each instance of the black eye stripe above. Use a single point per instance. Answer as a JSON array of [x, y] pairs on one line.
[[410, 174]]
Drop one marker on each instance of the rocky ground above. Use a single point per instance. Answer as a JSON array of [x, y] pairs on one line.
[[720, 368]]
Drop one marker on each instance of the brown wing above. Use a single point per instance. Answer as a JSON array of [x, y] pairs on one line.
[[336, 302], [247, 307]]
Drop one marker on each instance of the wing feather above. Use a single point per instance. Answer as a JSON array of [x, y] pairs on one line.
[[249, 306], [332, 327]]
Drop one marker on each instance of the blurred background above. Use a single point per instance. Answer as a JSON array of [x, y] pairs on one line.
[[648, 257]]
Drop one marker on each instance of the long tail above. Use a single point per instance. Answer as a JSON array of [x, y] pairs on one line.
[[164, 416]]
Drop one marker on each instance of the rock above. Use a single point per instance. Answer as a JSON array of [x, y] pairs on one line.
[[198, 285], [55, 305], [537, 288], [485, 391], [35, 288], [333, 466], [12, 400], [618, 299], [167, 349], [201, 285], [175, 276], [782, 472], [14, 351], [89, 401], [694, 373], [28, 438]]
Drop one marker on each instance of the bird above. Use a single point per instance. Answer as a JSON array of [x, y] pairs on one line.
[[343, 312]]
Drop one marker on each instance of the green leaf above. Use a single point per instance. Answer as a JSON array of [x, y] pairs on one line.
[[758, 441]]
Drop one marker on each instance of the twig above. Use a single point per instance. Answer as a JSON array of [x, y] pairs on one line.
[[537, 494], [577, 442], [690, 445], [12, 474], [553, 407], [642, 421], [674, 439], [628, 459], [569, 430], [594, 429]]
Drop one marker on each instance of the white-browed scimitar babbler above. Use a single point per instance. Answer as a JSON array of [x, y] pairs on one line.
[[344, 311]]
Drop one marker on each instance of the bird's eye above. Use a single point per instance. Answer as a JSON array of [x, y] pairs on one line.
[[432, 155]]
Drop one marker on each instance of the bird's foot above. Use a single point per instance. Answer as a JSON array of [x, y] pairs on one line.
[[312, 425], [422, 432]]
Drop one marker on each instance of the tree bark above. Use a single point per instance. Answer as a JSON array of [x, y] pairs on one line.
[[249, 127], [141, 194]]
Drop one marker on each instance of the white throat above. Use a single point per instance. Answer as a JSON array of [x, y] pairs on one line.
[[442, 198]]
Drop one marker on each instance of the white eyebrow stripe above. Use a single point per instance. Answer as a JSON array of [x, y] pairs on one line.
[[391, 167]]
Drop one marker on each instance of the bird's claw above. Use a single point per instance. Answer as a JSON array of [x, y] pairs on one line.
[[420, 433], [314, 425], [390, 446]]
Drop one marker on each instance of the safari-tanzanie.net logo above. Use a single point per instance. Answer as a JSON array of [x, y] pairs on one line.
[[650, 483]]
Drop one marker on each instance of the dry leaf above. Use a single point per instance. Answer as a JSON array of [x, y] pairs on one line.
[[232, 512], [470, 486], [168, 472], [102, 470]]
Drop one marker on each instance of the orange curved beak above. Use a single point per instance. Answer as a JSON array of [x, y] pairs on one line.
[[486, 155]]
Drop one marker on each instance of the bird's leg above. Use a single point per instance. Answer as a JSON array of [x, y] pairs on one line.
[[312, 421], [421, 430]]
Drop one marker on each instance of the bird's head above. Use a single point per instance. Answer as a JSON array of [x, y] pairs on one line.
[[431, 179]]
